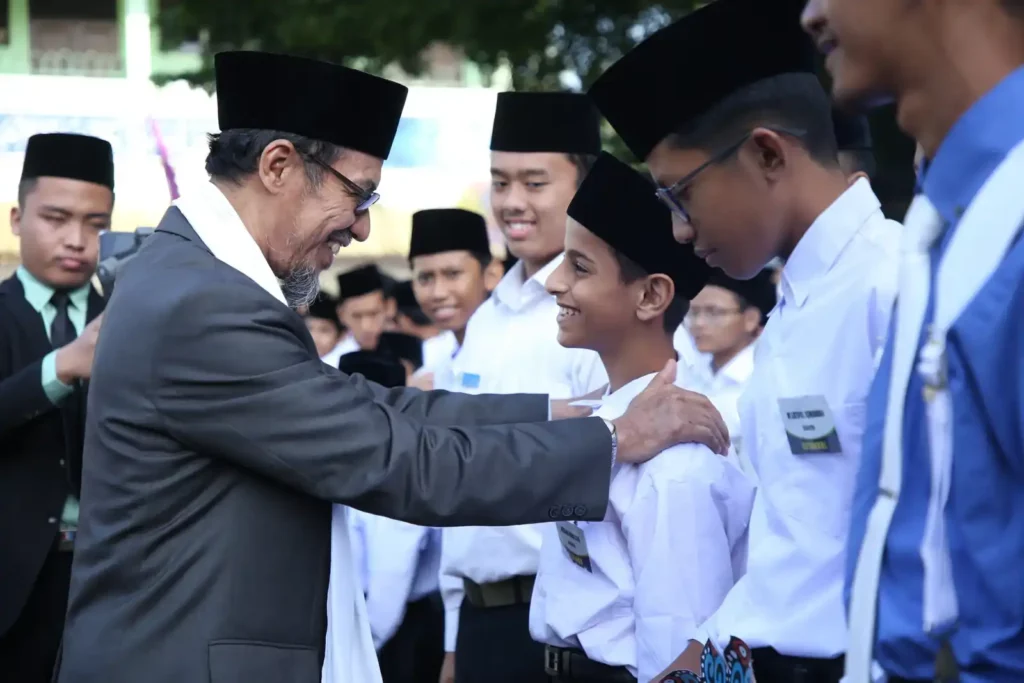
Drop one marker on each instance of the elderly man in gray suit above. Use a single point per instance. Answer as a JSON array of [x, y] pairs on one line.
[[217, 440]]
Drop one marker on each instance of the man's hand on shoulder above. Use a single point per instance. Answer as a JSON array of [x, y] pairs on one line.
[[665, 415]]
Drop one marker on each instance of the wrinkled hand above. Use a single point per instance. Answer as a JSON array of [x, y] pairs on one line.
[[665, 415], [74, 361], [562, 409], [424, 381], [448, 668]]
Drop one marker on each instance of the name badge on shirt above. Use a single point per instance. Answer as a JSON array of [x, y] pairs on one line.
[[809, 425], [575, 544], [469, 380]]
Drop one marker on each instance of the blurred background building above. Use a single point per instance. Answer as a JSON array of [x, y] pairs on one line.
[[89, 66]]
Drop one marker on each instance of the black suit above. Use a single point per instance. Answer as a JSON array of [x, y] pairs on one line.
[[216, 440], [40, 465]]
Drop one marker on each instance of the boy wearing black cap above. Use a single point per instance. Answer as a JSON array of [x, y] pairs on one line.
[[322, 322], [49, 321], [453, 273], [726, 318], [612, 602], [362, 309], [746, 158], [541, 147]]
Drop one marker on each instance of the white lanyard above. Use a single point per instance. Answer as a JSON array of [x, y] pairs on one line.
[[979, 245]]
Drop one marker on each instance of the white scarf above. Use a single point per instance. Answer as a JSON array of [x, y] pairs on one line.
[[349, 655]]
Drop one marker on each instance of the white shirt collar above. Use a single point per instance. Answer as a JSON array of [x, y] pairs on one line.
[[740, 367], [516, 292], [821, 245], [615, 404], [217, 223]]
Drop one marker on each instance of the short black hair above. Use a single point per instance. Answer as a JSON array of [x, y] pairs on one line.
[[1014, 7], [235, 154], [863, 161], [583, 164], [630, 272], [25, 188], [795, 102]]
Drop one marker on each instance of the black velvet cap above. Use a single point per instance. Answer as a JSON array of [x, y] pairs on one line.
[[318, 100], [325, 308], [759, 291], [68, 155], [360, 281], [438, 230], [546, 122], [686, 68], [852, 132], [619, 205], [402, 346], [382, 368]]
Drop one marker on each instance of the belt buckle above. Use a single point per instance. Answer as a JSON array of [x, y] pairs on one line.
[[552, 661]]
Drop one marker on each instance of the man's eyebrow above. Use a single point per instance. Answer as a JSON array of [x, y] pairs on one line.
[[55, 209]]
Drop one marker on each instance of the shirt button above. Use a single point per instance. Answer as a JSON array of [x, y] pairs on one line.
[[62, 462], [51, 520]]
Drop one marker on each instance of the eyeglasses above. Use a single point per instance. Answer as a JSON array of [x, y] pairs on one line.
[[714, 315], [367, 198], [671, 196]]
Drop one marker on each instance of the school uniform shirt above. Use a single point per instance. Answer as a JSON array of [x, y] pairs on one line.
[[815, 359], [346, 345], [438, 351], [401, 562], [724, 389], [511, 346], [669, 549], [984, 514]]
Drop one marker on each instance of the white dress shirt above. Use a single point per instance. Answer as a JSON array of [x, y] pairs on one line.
[[511, 346], [438, 350], [724, 388], [349, 652], [818, 349], [346, 345], [401, 566], [671, 546]]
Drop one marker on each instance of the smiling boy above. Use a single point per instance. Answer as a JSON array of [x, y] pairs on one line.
[[610, 600]]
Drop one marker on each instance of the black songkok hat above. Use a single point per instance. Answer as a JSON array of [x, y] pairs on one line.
[[546, 122], [619, 205], [853, 134], [325, 101], [759, 291], [384, 369], [325, 308], [402, 346], [360, 281], [439, 230], [68, 155], [686, 68]]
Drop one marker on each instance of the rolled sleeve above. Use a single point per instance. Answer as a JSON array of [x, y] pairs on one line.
[[54, 389]]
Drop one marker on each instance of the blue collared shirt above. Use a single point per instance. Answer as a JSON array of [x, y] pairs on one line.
[[985, 513]]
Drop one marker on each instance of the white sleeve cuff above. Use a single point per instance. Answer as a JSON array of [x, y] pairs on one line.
[[451, 628]]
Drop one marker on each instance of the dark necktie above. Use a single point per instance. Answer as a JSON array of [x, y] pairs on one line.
[[62, 331]]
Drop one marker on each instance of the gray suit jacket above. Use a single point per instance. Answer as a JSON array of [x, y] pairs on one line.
[[216, 441]]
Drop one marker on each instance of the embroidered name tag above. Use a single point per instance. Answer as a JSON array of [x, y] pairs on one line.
[[469, 380], [575, 544], [809, 424]]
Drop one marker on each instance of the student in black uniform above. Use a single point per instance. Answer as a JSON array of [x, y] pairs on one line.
[[49, 321]]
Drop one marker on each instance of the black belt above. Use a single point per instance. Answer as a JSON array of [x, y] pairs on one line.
[[514, 591], [565, 664], [771, 666]]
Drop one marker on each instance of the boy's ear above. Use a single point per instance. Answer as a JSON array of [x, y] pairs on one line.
[[656, 295]]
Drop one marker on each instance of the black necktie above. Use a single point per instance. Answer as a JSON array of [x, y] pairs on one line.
[[62, 332]]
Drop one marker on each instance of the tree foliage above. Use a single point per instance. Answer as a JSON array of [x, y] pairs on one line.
[[537, 39]]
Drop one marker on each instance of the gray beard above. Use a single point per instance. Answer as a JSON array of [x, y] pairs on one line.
[[301, 286]]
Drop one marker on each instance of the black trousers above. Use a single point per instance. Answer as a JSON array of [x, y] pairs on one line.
[[28, 651], [415, 653], [494, 646], [772, 667]]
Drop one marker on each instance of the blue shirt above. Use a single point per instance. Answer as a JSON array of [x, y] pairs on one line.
[[985, 512]]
